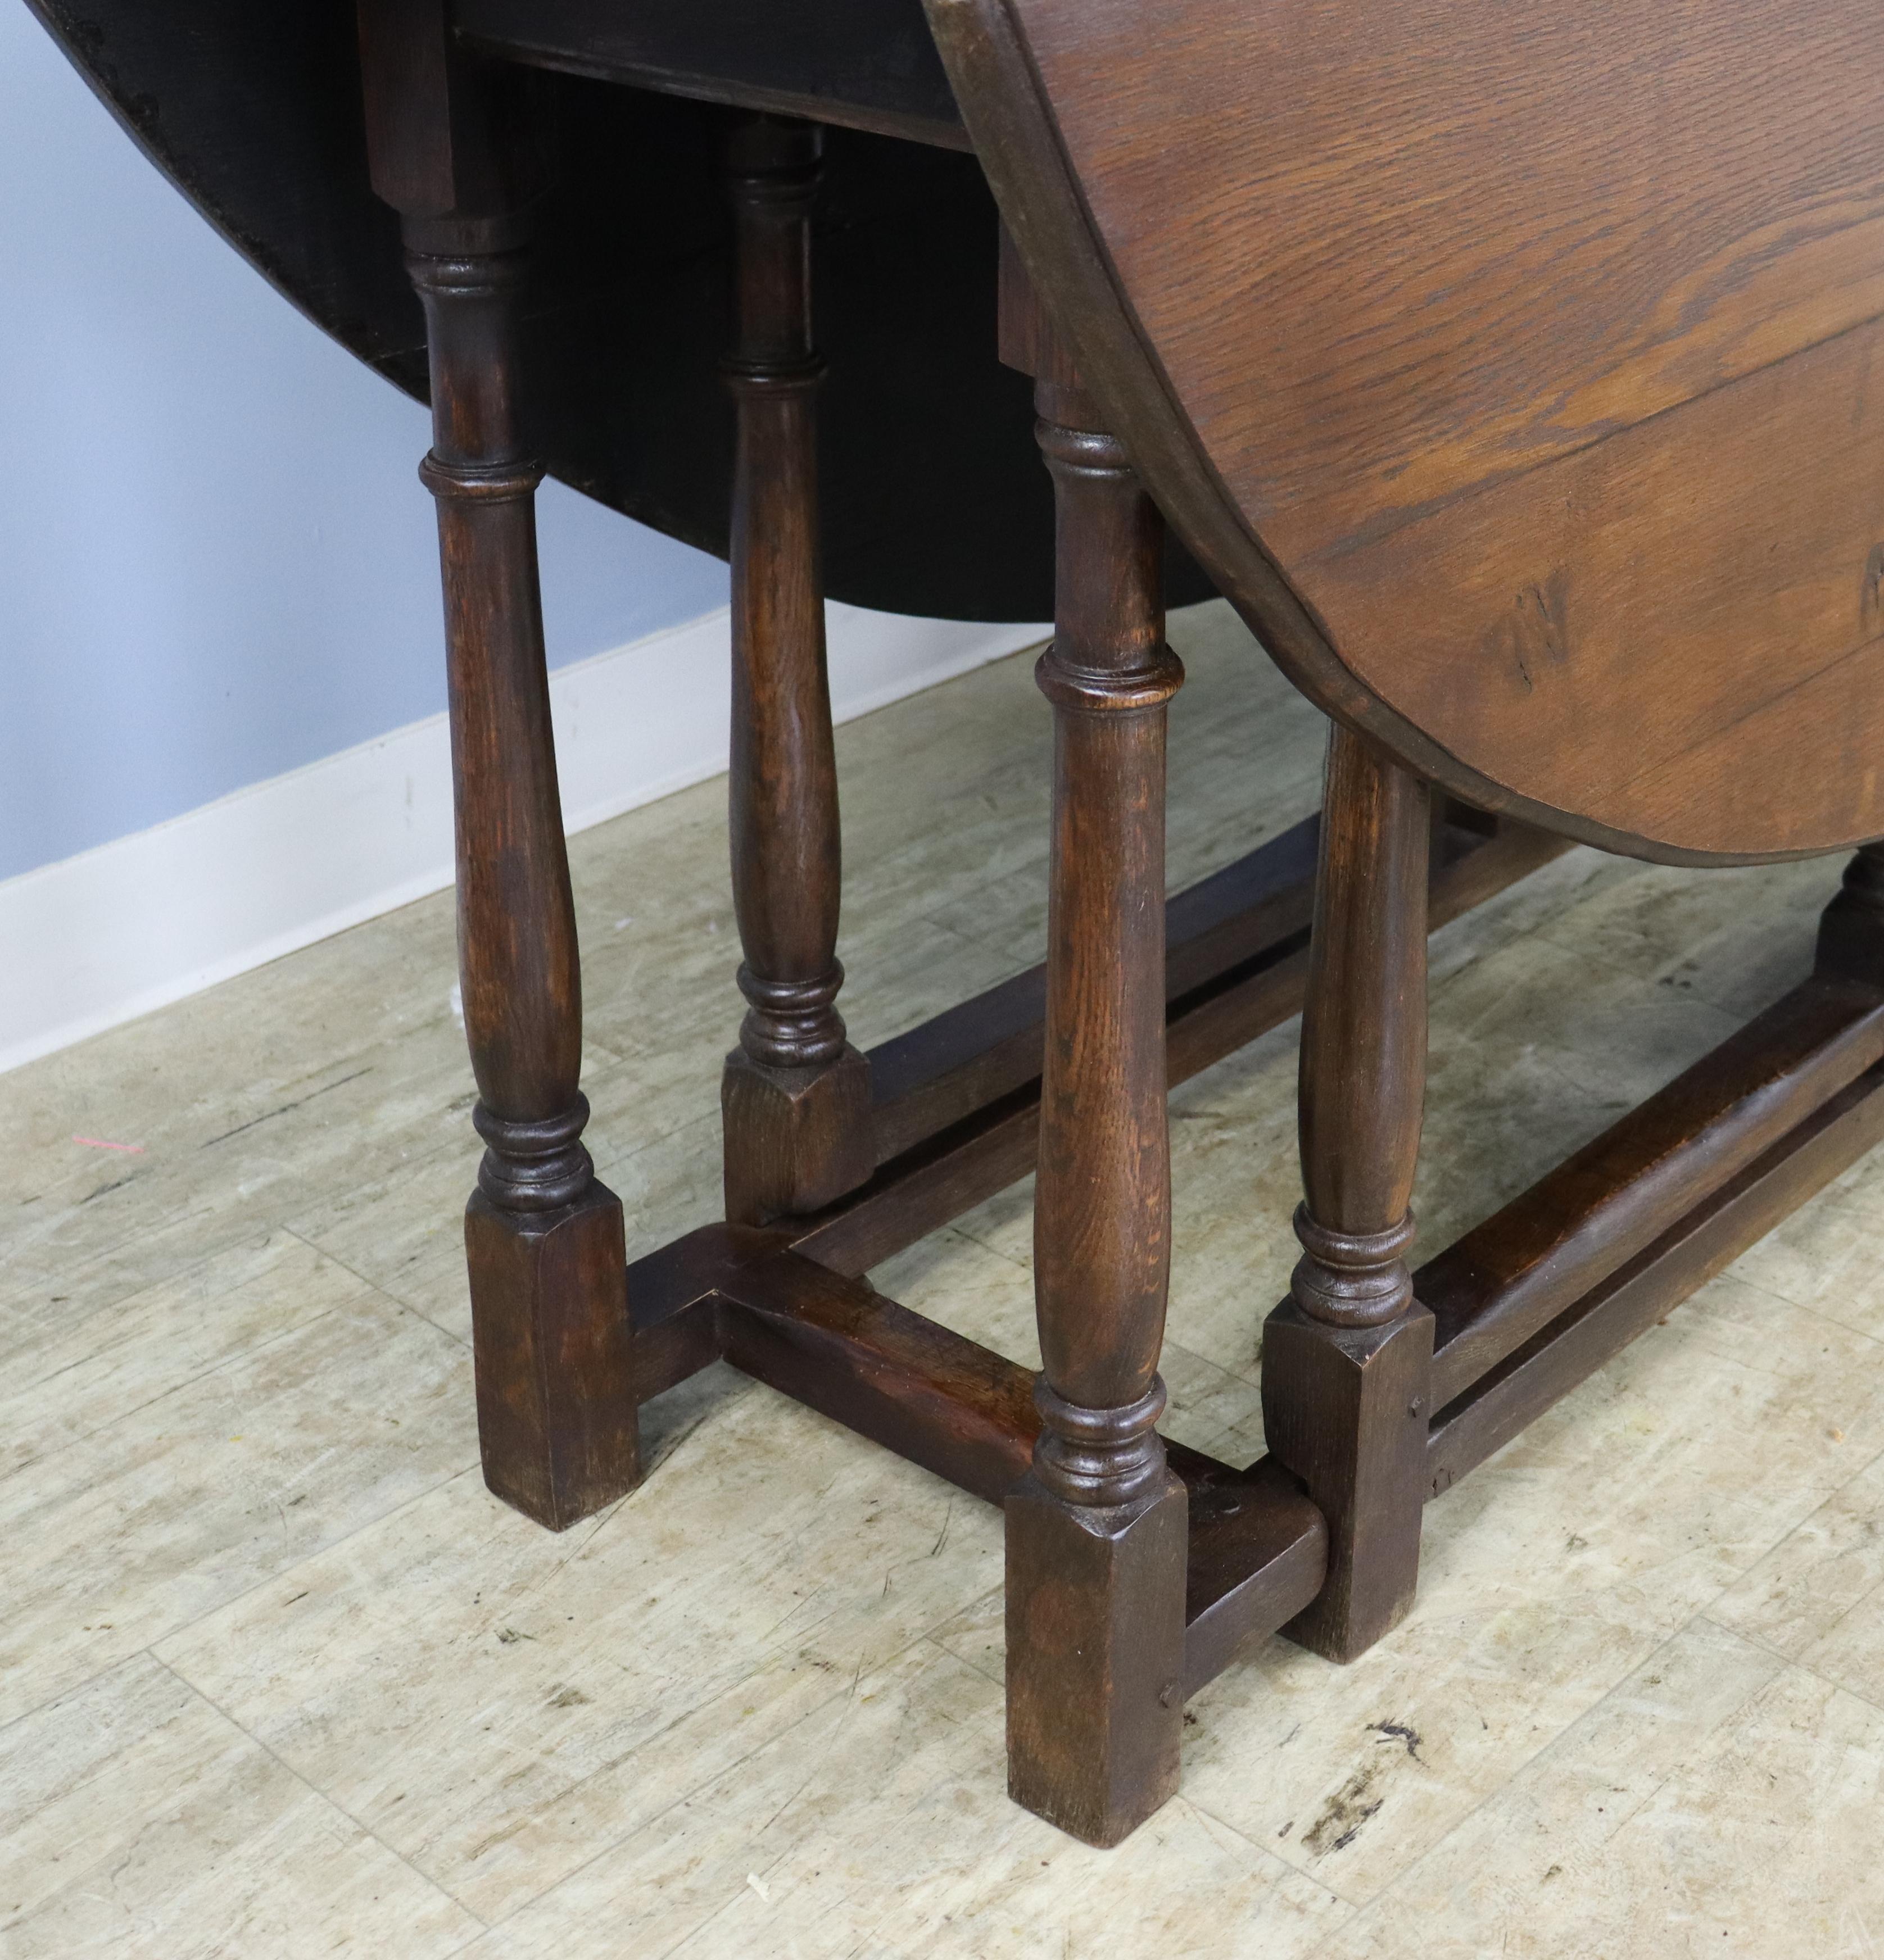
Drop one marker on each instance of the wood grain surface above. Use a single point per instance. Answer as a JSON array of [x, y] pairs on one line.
[[1509, 364]]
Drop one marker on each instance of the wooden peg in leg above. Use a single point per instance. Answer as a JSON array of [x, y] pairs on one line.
[[1347, 1359], [449, 143], [795, 1096], [1096, 1534]]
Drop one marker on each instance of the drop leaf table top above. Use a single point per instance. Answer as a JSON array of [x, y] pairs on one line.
[[1508, 364]]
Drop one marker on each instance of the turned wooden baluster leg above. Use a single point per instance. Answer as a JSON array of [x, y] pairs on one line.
[[556, 1419], [1097, 1532], [795, 1097], [1851, 927], [1347, 1359]]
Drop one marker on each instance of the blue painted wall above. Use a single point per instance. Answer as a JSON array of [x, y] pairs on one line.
[[216, 562]]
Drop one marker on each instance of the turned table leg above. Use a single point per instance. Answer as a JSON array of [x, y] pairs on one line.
[[1097, 1531], [1851, 927], [795, 1095], [544, 1240], [1347, 1359]]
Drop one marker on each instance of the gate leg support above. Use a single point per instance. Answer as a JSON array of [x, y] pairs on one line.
[[1347, 1359], [795, 1096], [556, 1410], [1096, 1533]]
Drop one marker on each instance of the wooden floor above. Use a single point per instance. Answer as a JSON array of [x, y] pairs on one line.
[[279, 1677]]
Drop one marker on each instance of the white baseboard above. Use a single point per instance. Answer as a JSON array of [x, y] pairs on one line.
[[144, 920]]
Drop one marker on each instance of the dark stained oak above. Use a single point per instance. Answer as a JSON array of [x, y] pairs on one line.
[[795, 1095], [1529, 1303], [1490, 1290], [1677, 627], [1550, 479], [1363, 1071], [1604, 267], [837, 1346], [1602, 1322], [1255, 909], [1257, 1547], [254, 113], [960, 1151], [1347, 1359], [1851, 927], [1508, 366], [451, 150], [866, 64], [1511, 367], [1096, 1531], [1258, 1556], [672, 1301]]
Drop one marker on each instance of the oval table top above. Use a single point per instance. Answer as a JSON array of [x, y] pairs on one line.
[[1508, 362]]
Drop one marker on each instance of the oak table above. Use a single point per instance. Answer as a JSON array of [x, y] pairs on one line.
[[1508, 368]]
